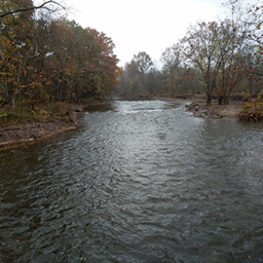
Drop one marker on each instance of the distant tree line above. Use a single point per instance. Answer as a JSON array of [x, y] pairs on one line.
[[47, 60], [217, 59]]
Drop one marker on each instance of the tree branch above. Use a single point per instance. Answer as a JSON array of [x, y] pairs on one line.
[[44, 5], [3, 66]]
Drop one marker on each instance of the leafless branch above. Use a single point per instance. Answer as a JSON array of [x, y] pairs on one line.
[[42, 6]]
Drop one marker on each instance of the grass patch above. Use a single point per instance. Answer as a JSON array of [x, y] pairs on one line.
[[41, 113]]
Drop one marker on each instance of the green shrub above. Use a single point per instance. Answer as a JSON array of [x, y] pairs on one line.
[[5, 116]]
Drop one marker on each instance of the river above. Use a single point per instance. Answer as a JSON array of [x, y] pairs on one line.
[[138, 182]]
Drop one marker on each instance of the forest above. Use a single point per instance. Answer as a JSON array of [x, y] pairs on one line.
[[46, 59]]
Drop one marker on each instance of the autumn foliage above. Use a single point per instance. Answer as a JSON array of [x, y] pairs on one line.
[[43, 60], [253, 110]]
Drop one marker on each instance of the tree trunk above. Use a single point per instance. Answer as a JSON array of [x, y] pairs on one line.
[[13, 101], [208, 92], [208, 99], [250, 86], [220, 100]]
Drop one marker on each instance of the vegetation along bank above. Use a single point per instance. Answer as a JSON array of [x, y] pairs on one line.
[[48, 64]]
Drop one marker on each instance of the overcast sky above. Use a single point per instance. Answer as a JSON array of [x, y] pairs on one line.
[[142, 25]]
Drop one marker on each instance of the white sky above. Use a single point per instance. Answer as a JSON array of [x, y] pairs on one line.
[[142, 25]]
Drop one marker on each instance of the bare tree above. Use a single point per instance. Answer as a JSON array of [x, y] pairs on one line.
[[201, 46], [143, 61]]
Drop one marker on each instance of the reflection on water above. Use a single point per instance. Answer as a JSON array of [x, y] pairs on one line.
[[140, 182], [99, 107]]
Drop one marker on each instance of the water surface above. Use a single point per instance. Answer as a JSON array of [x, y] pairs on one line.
[[139, 182]]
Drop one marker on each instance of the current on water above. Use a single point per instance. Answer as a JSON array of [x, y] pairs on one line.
[[138, 182]]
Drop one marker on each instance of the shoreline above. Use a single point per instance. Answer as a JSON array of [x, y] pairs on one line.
[[19, 135], [215, 111], [199, 109], [29, 133], [34, 131]]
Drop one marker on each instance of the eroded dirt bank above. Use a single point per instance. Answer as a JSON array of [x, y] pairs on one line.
[[14, 136], [26, 133]]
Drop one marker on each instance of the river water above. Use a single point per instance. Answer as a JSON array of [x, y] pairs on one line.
[[139, 182]]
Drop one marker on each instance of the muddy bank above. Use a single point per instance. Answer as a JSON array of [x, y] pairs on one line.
[[215, 111], [28, 133]]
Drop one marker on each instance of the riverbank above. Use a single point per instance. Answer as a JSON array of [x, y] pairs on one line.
[[200, 109], [30, 132], [64, 117]]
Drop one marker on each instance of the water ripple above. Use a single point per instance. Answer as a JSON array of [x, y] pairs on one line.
[[140, 182]]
